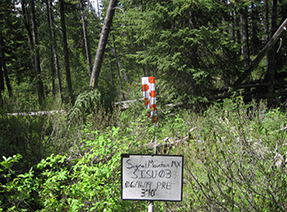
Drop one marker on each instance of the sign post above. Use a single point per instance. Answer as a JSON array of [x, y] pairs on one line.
[[152, 177], [149, 94]]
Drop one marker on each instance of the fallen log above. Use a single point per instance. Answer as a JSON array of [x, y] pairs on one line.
[[261, 54]]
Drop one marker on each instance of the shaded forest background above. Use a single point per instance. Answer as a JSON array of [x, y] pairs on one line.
[[193, 48], [218, 104]]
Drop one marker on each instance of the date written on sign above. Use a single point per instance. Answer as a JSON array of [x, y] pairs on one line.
[[152, 177]]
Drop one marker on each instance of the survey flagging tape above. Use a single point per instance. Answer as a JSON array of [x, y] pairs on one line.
[[148, 88]]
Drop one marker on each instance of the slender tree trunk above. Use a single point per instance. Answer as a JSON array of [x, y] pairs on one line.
[[87, 48], [119, 75], [266, 21], [271, 58], [40, 87], [254, 28], [284, 11], [66, 53], [261, 54], [113, 49], [245, 45], [51, 55], [244, 36], [55, 54], [232, 24], [2, 87], [102, 44], [111, 70], [237, 24], [28, 30], [120, 81], [4, 66], [1, 99]]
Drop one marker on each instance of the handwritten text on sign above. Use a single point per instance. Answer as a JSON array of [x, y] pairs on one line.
[[152, 177]]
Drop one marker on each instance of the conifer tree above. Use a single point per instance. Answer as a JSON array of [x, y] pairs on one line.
[[65, 50]]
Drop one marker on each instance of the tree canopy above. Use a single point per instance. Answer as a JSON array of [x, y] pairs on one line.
[[196, 48]]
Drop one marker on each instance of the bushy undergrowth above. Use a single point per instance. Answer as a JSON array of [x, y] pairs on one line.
[[234, 154], [236, 160]]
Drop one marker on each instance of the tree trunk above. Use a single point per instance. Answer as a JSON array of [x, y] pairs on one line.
[[87, 48], [284, 11], [51, 55], [28, 30], [1, 99], [232, 24], [66, 53], [119, 75], [266, 21], [244, 41], [111, 70], [254, 15], [55, 54], [102, 44], [2, 87], [261, 54], [113, 49], [238, 32], [244, 37], [271, 58], [39, 83], [4, 66]]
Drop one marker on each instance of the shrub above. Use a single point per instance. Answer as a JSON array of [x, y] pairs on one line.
[[237, 164], [234, 161]]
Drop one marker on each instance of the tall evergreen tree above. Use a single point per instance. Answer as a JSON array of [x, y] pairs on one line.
[[51, 55], [3, 65], [36, 54], [54, 48], [270, 68], [85, 37], [102, 44], [184, 42], [65, 50]]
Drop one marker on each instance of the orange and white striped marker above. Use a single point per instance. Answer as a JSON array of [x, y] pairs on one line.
[[148, 88]]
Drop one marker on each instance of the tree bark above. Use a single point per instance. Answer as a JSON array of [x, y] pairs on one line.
[[261, 54], [66, 53], [55, 54], [2, 87], [232, 24], [87, 48], [119, 75], [102, 44], [284, 11], [28, 30], [271, 58], [113, 49], [51, 55], [266, 21], [4, 66], [244, 37], [39, 83], [254, 40], [111, 70], [1, 99]]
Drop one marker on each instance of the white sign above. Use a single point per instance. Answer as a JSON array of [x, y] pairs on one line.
[[152, 177]]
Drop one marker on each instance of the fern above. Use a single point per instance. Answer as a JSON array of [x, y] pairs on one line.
[[85, 102]]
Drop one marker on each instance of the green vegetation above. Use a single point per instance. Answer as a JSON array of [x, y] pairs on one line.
[[233, 137], [234, 160]]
